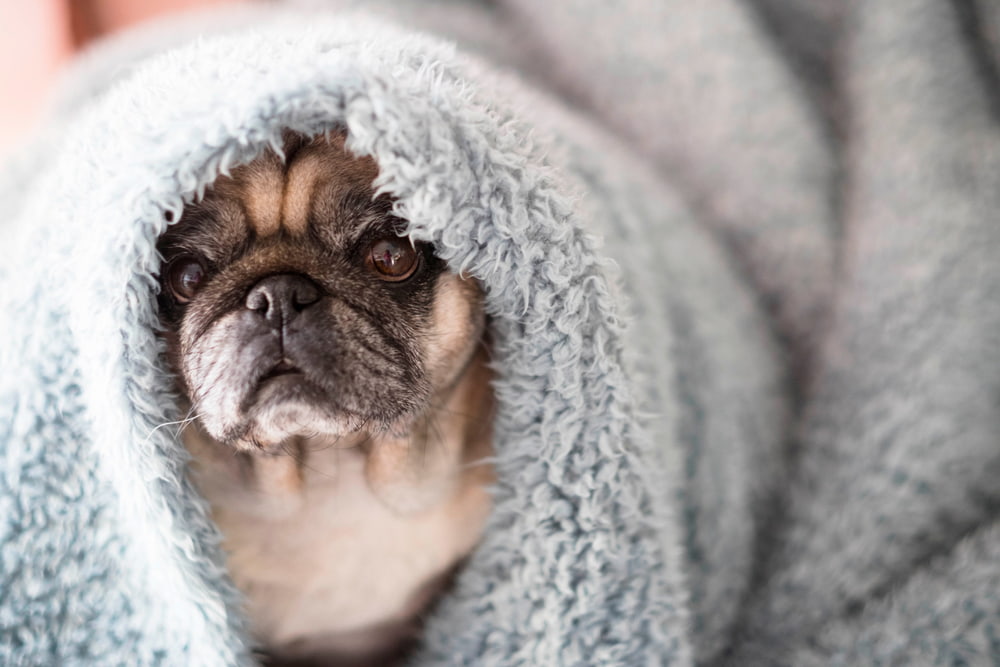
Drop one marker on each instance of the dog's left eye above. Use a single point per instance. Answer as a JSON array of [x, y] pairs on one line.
[[393, 259], [184, 277]]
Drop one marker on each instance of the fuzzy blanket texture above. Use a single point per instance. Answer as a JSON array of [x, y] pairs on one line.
[[740, 264]]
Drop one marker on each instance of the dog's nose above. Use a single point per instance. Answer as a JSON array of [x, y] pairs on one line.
[[279, 299]]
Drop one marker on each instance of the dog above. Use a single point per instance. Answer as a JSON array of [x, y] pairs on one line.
[[339, 388]]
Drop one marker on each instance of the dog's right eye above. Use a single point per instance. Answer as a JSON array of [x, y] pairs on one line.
[[184, 276], [393, 259]]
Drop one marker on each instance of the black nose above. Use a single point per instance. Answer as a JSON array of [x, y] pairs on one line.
[[280, 299]]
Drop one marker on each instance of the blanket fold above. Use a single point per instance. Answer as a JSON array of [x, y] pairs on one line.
[[900, 456]]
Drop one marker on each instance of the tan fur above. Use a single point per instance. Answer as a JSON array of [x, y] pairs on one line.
[[329, 567], [391, 471], [301, 180], [340, 542], [279, 197], [263, 193]]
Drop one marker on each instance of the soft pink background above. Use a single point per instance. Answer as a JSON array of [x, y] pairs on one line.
[[40, 36]]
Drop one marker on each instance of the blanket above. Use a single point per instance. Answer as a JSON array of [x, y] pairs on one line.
[[737, 260], [108, 554]]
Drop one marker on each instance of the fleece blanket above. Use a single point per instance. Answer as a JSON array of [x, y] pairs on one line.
[[742, 295], [107, 554], [848, 155]]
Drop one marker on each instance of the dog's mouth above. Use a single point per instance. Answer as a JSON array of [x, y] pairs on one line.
[[285, 403], [271, 395], [282, 368]]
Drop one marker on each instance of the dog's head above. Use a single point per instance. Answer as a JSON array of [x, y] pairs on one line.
[[293, 307]]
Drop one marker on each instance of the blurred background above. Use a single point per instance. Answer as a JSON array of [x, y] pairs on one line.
[[47, 35]]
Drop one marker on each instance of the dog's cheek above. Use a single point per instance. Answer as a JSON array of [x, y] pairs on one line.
[[221, 367], [369, 369], [454, 328]]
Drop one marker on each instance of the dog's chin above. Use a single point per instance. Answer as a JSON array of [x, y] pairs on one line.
[[288, 407]]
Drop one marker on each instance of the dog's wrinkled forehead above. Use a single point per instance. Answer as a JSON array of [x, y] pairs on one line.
[[317, 190]]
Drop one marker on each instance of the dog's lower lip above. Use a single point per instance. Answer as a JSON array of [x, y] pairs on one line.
[[282, 368]]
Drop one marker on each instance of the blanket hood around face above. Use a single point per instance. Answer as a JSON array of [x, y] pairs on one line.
[[638, 404]]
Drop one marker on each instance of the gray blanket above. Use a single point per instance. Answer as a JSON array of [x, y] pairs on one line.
[[765, 434]]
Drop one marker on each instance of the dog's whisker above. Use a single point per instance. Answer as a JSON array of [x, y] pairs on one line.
[[301, 462], [480, 462], [152, 431], [436, 430]]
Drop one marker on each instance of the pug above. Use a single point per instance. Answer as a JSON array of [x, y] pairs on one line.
[[338, 383]]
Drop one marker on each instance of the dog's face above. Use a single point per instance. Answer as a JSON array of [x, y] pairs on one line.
[[293, 308]]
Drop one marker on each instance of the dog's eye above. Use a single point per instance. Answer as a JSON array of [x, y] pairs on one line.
[[393, 259], [184, 277]]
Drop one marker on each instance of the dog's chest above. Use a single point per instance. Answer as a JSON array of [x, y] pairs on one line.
[[324, 565]]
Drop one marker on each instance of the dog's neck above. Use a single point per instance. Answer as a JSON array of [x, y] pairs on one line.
[[339, 541]]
